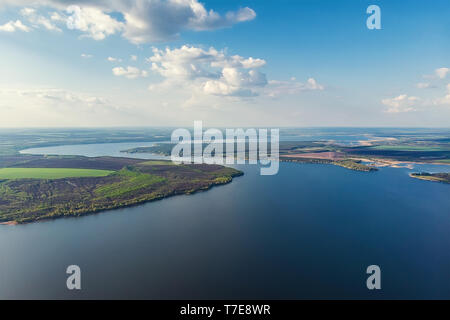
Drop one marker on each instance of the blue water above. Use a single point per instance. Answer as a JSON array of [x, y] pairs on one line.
[[308, 232]]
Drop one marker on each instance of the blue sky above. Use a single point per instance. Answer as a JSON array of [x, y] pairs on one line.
[[314, 63]]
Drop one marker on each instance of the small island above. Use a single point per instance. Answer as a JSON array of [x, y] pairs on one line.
[[34, 188], [436, 177]]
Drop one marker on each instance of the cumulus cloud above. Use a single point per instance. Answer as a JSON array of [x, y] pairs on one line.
[[156, 20], [207, 20], [129, 72], [13, 26], [210, 71], [141, 21], [92, 21], [234, 82], [401, 103], [214, 72], [38, 20], [444, 100], [57, 17], [112, 59], [441, 73], [405, 103]]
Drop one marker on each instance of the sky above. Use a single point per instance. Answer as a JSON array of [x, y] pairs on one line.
[[233, 63]]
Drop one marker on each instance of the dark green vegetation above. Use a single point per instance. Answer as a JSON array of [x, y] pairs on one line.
[[132, 182], [437, 177], [164, 149], [354, 165]]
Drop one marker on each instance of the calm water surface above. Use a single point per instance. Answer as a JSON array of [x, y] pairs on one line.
[[308, 232]]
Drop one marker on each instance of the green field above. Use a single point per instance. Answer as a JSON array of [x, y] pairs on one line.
[[50, 173]]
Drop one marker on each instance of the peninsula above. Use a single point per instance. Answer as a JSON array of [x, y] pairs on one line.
[[34, 188]]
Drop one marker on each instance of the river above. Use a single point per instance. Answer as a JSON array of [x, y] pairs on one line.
[[308, 232]]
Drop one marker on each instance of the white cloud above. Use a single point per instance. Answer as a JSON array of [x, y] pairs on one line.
[[144, 21], [47, 24], [207, 20], [133, 58], [38, 20], [27, 11], [86, 56], [185, 62], [13, 26], [243, 14], [213, 72], [445, 100], [312, 84], [93, 21], [63, 96], [441, 73], [112, 59], [155, 20], [405, 103], [210, 71], [280, 88], [129, 72], [423, 85], [401, 103], [57, 17], [234, 82]]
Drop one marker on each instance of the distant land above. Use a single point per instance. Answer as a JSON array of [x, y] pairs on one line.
[[366, 155]]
